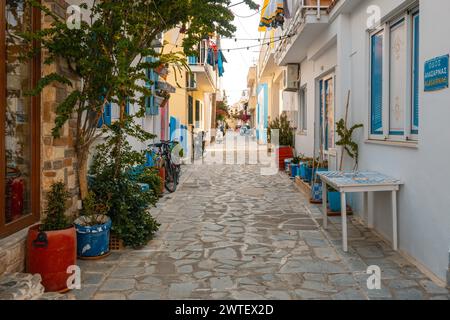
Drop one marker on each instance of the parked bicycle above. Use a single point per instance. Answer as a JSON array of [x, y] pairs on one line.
[[169, 151]]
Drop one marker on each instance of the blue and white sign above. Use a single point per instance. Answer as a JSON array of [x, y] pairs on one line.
[[436, 73]]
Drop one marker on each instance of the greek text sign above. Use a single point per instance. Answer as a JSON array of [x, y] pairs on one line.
[[436, 73]]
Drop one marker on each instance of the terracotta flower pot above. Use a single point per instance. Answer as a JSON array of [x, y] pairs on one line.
[[50, 253]]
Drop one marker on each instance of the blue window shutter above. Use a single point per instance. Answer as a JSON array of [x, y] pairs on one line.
[[415, 120], [376, 111], [107, 114], [127, 108], [106, 117]]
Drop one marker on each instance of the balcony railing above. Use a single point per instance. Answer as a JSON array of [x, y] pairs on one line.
[[300, 11], [199, 63], [201, 57]]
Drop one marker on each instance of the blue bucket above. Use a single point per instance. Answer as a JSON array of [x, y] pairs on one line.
[[93, 241], [334, 201], [303, 170], [316, 192], [308, 173], [295, 168]]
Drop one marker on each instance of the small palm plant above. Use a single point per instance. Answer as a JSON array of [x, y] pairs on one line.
[[347, 142]]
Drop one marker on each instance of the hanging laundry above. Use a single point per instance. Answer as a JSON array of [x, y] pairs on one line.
[[211, 58], [220, 61], [272, 15]]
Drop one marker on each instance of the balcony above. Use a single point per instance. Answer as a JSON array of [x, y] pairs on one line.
[[309, 18], [206, 74]]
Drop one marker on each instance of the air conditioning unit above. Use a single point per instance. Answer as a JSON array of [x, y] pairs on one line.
[[191, 81], [291, 77]]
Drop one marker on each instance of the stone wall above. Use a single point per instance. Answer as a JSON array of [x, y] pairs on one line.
[[12, 253], [58, 160]]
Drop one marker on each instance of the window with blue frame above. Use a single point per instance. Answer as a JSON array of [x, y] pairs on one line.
[[151, 108], [415, 85], [106, 117], [394, 79], [376, 112]]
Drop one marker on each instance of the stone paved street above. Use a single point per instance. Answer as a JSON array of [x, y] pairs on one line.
[[231, 233]]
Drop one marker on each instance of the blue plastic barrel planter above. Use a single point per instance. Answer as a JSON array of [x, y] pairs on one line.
[[92, 241], [309, 174], [303, 170], [294, 170], [334, 201], [316, 192]]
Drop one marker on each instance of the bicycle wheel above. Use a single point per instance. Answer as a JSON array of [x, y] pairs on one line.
[[171, 178]]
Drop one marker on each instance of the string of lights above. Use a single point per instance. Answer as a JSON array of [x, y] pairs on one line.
[[253, 39], [258, 45], [252, 46]]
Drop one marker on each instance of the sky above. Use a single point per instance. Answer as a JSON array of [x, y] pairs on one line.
[[235, 76]]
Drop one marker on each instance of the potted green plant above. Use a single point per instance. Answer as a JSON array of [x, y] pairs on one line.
[[285, 146], [51, 245], [93, 229], [295, 166], [351, 148], [304, 167]]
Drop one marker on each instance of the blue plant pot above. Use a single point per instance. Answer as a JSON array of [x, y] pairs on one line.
[[295, 170], [334, 201], [309, 174], [303, 171], [93, 241], [316, 191]]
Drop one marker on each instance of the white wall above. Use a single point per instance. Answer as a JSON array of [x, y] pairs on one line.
[[424, 206], [424, 215]]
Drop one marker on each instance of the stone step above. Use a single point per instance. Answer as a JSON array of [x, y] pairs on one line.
[[24, 286]]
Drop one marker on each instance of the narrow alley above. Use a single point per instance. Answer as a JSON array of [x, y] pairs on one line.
[[231, 233]]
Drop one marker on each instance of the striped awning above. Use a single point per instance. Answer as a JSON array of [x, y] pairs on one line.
[[272, 15]]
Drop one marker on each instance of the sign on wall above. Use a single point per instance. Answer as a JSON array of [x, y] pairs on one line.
[[436, 73]]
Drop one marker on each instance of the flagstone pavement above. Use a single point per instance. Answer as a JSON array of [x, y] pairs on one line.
[[231, 233]]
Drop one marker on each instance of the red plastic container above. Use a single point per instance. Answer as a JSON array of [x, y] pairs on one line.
[[282, 154], [50, 254]]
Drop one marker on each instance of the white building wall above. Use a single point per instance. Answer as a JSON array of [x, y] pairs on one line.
[[424, 219], [344, 47]]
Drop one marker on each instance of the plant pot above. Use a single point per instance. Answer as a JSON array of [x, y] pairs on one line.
[[295, 170], [92, 241], [334, 201], [316, 192], [309, 174], [283, 153], [49, 254], [303, 167]]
